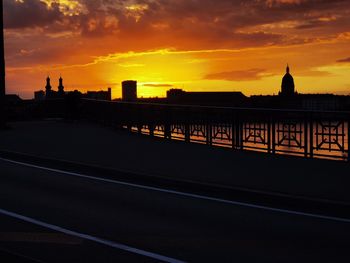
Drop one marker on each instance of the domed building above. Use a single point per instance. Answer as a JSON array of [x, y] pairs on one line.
[[288, 87]]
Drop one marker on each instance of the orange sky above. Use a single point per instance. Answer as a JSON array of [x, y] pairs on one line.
[[211, 45]]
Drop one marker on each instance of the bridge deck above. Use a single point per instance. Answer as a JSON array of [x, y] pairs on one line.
[[100, 146]]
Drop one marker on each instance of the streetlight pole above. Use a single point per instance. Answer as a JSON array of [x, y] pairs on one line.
[[2, 68]]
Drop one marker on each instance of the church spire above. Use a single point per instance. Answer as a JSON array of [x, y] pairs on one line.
[[48, 83], [61, 87], [287, 70]]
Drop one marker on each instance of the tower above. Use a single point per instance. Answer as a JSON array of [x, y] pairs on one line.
[[129, 90], [287, 87], [60, 87], [48, 87]]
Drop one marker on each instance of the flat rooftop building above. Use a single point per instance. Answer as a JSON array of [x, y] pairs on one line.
[[129, 90], [178, 96]]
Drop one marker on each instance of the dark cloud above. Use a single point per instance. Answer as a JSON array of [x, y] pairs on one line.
[[216, 18], [111, 26], [238, 75], [344, 60], [29, 13]]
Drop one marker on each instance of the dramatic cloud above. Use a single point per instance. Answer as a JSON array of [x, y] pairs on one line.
[[48, 35], [30, 13]]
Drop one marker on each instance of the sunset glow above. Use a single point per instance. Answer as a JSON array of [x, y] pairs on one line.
[[190, 44]]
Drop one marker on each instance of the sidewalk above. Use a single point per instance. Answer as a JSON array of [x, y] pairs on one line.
[[100, 146]]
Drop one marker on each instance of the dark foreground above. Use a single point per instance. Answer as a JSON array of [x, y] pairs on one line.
[[157, 225]]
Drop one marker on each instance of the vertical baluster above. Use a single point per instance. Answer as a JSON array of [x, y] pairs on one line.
[[233, 130], [187, 132], [209, 134], [348, 139], [306, 138], [240, 138], [167, 131], [274, 136], [139, 128], [330, 126], [151, 129], [269, 123], [312, 138], [238, 145], [317, 134], [343, 136]]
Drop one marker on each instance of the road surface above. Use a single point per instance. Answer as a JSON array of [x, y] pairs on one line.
[[53, 216]]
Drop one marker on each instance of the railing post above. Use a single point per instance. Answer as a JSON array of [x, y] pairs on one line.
[[233, 129], [187, 118], [209, 134], [311, 146], [139, 128], [167, 120], [167, 130], [269, 146], [187, 132], [348, 139], [151, 129], [273, 136], [239, 133], [306, 141]]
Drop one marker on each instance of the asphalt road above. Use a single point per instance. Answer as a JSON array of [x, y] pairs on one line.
[[38, 208]]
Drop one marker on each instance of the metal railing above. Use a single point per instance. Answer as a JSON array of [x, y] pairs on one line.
[[311, 134]]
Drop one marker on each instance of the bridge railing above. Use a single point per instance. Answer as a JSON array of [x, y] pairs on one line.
[[311, 134]]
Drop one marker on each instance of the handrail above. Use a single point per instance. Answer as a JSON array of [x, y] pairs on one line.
[[218, 107]]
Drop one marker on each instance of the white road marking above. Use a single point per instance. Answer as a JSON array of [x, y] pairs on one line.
[[196, 196], [91, 238]]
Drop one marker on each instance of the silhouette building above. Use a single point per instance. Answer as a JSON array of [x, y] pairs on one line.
[[230, 99], [288, 87], [99, 95], [49, 93], [39, 95], [48, 88], [60, 88], [129, 90]]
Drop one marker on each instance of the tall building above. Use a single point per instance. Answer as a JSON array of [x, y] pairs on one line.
[[129, 90], [288, 87]]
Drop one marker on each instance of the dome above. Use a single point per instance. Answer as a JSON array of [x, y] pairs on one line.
[[287, 80], [288, 87]]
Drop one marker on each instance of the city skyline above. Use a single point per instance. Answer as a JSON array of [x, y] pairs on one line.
[[195, 45]]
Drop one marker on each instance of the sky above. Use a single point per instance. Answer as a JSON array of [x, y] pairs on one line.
[[195, 45]]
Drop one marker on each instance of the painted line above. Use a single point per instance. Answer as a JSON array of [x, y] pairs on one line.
[[91, 238], [195, 196]]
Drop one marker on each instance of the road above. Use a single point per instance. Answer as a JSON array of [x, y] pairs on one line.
[[52, 216]]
